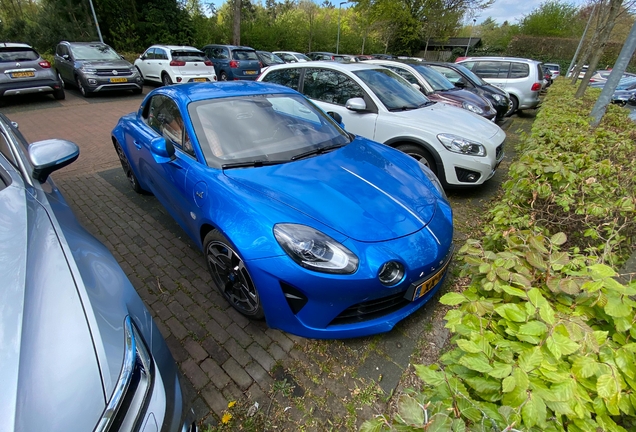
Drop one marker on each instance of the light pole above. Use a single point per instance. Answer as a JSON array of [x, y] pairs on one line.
[[99, 33], [470, 37], [338, 39]]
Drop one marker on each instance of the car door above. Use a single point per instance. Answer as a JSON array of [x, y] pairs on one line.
[[64, 63], [331, 90], [145, 64], [168, 180]]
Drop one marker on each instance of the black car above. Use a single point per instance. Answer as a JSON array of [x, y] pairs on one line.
[[24, 71], [95, 67], [463, 78], [268, 59]]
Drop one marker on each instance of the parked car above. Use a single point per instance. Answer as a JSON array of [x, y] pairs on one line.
[[554, 68], [24, 71], [320, 55], [520, 78], [363, 57], [600, 77], [173, 64], [624, 91], [95, 67], [437, 88], [463, 78], [234, 165], [547, 77], [80, 351], [268, 59], [234, 62], [461, 148], [582, 72], [291, 56], [384, 56]]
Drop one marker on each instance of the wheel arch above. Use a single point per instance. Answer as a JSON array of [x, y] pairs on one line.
[[398, 141]]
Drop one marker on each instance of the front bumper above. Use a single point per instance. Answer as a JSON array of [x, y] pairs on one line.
[[95, 83], [320, 305]]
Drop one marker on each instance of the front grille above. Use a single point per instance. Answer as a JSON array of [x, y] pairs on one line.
[[499, 152], [109, 72], [371, 309]]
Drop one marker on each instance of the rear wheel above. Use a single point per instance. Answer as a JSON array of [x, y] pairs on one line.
[[420, 154], [223, 76], [231, 276], [59, 94], [132, 178], [166, 80], [513, 105]]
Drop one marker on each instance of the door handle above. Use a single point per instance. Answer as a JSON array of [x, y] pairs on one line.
[[137, 144], [199, 194]]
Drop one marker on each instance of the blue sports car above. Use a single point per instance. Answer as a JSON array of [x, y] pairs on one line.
[[322, 233]]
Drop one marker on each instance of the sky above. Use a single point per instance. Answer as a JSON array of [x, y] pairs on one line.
[[513, 11]]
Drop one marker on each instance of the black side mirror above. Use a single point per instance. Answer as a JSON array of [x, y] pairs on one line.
[[334, 115], [460, 84]]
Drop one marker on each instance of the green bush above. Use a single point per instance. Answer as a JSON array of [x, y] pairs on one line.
[[543, 337]]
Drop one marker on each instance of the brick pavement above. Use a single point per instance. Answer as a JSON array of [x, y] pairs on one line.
[[224, 356]]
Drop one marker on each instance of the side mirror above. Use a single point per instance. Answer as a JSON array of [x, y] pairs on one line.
[[122, 57], [66, 57], [162, 150], [334, 115], [142, 57], [14, 124], [460, 84], [417, 86], [356, 104], [51, 155]]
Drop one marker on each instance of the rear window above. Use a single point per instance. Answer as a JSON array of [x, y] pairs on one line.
[[188, 56], [554, 68], [522, 70], [244, 55], [18, 54]]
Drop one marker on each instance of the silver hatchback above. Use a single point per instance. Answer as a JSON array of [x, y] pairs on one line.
[[79, 351], [24, 71]]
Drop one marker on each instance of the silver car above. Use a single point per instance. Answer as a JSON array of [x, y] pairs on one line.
[[79, 351], [24, 71]]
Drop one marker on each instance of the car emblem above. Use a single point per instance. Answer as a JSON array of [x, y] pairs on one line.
[[114, 72], [17, 65]]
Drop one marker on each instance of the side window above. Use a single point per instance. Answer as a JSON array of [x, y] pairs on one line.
[[286, 77], [160, 54], [450, 74], [224, 53], [491, 69], [150, 54], [209, 53], [330, 86], [404, 74], [288, 58], [165, 118], [520, 70], [6, 150]]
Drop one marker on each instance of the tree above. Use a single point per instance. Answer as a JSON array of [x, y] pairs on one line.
[[553, 18]]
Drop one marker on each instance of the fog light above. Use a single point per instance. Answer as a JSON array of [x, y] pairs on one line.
[[391, 273], [92, 81]]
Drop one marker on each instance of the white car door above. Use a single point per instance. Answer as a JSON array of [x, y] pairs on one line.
[[330, 90]]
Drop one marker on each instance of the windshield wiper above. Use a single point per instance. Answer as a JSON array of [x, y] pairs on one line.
[[404, 108], [256, 163], [317, 151]]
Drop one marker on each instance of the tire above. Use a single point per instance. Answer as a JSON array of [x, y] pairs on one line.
[[143, 80], [138, 91], [223, 76], [420, 154], [59, 94], [166, 80], [513, 105], [81, 88], [231, 276], [59, 77], [132, 178]]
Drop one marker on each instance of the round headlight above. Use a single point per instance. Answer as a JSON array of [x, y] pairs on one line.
[[391, 273]]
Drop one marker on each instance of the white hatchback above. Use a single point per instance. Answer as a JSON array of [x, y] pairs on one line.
[[172, 64], [461, 148]]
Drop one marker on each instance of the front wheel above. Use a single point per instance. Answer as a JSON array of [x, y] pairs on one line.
[[513, 105], [230, 275], [420, 154], [132, 178], [81, 88]]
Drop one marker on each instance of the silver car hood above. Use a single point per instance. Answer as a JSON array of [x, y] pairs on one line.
[[47, 357]]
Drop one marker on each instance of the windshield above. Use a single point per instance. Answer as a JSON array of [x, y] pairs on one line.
[[553, 68], [17, 54], [438, 81], [188, 56], [261, 128], [94, 52], [625, 83], [302, 57], [270, 58], [394, 91], [470, 74], [244, 55]]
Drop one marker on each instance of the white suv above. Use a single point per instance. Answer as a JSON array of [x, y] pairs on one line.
[[461, 148], [521, 78], [171, 64]]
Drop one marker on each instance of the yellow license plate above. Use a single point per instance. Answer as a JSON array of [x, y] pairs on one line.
[[199, 79], [428, 284], [119, 80], [250, 72], [22, 74]]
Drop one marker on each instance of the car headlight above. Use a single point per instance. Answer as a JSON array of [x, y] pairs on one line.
[[314, 250], [88, 70], [428, 173], [473, 108], [461, 145], [499, 98]]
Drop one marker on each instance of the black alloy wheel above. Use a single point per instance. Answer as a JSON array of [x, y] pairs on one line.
[[231, 276], [419, 154], [132, 178]]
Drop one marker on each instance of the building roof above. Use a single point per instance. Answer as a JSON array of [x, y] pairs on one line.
[[451, 43]]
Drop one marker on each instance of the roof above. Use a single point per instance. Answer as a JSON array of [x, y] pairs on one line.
[[451, 43], [343, 67], [499, 58], [233, 47], [288, 52], [193, 92], [176, 47], [13, 45]]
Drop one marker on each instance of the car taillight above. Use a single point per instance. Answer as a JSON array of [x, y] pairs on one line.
[[208, 63], [234, 64], [536, 87], [177, 63], [45, 64], [260, 65]]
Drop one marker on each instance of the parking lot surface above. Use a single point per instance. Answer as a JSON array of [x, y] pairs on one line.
[[224, 356]]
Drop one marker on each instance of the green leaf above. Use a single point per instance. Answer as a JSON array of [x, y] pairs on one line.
[[558, 239], [453, 299], [374, 425], [535, 260], [534, 411], [533, 328], [439, 423], [561, 345], [530, 359], [484, 385], [514, 291], [429, 376], [606, 386], [500, 370], [410, 411], [468, 346], [584, 367], [616, 308], [512, 312], [458, 425], [600, 271], [536, 297], [547, 314], [508, 384], [477, 362]]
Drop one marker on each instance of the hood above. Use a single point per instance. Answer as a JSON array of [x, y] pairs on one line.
[[442, 118], [365, 191], [460, 96], [48, 365], [105, 64]]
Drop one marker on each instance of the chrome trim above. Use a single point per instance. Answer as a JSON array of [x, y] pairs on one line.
[[27, 90], [115, 85], [9, 71]]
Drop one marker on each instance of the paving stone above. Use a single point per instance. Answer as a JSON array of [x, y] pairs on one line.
[[215, 399], [236, 316], [195, 350], [162, 311], [221, 317], [256, 394], [163, 329], [237, 352], [236, 372], [277, 352], [261, 356], [217, 375], [259, 375], [183, 299], [178, 352], [280, 337], [195, 328], [239, 335], [256, 332], [216, 351], [177, 328], [231, 392], [197, 377]]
